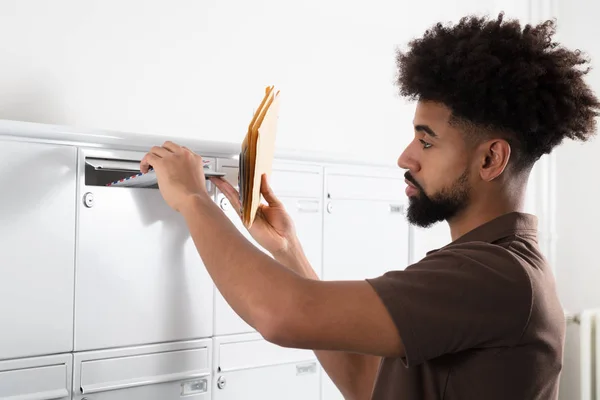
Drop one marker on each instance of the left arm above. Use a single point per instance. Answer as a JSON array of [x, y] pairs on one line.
[[285, 308]]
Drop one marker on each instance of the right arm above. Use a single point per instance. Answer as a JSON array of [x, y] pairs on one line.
[[353, 374]]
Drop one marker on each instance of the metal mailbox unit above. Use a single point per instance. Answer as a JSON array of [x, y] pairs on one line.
[[113, 302], [156, 372], [36, 378], [248, 367], [139, 278], [37, 237]]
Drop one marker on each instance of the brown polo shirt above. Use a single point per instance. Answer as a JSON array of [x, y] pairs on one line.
[[479, 318]]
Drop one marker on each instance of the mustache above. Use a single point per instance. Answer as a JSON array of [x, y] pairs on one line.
[[408, 176]]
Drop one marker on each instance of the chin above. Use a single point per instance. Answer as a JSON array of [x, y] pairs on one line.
[[423, 223], [424, 213]]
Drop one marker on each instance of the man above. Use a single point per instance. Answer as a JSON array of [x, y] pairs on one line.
[[476, 319]]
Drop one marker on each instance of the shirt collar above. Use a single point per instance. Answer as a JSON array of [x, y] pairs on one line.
[[513, 223]]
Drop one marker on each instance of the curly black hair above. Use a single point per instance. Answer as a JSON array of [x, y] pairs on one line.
[[501, 78]]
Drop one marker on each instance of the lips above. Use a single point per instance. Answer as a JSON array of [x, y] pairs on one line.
[[411, 190]]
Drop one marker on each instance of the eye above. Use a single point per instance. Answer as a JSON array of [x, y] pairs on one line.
[[425, 144]]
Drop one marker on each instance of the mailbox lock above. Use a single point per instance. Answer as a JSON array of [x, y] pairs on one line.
[[221, 382], [329, 207], [88, 199], [224, 204]]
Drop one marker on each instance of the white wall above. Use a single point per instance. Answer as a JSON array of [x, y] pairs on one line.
[[578, 213], [577, 163], [197, 68]]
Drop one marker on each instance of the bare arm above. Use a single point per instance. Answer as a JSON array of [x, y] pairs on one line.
[[285, 307], [353, 374], [292, 310]]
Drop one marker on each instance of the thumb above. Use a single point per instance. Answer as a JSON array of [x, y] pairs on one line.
[[267, 192]]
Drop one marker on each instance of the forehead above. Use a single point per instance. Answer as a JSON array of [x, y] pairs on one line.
[[432, 111]]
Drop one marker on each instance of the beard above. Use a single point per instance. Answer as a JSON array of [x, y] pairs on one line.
[[424, 211]]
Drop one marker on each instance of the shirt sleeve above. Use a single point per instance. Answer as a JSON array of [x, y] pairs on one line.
[[457, 299]]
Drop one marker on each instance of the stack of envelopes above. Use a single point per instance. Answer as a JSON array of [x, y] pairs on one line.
[[256, 156]]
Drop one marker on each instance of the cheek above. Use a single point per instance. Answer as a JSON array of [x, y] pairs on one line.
[[442, 171]]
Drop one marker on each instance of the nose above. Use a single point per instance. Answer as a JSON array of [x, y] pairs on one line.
[[408, 159]]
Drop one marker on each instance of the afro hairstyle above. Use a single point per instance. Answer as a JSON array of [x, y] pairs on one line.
[[500, 78]]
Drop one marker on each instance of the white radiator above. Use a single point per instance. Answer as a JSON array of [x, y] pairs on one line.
[[581, 375]]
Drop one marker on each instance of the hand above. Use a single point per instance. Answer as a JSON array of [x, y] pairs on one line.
[[272, 228], [179, 171]]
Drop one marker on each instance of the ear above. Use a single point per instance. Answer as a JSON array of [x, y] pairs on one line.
[[495, 156]]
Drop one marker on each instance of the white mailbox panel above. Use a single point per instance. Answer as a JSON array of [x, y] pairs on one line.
[[140, 278], [158, 372], [299, 187], [37, 247], [248, 367], [365, 229], [41, 378], [308, 219], [366, 232]]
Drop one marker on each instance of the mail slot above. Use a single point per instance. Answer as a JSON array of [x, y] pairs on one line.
[[125, 171], [156, 372], [40, 378], [248, 367], [139, 277]]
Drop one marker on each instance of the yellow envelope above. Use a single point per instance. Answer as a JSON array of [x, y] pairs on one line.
[[252, 143], [256, 157], [244, 159]]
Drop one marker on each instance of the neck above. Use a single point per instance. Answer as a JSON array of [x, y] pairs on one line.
[[484, 210]]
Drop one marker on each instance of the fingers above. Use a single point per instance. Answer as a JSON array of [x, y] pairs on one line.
[[172, 147], [160, 151], [149, 160], [192, 153], [187, 149], [229, 191], [267, 192], [157, 152]]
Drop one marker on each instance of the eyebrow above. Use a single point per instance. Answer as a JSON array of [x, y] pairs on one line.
[[426, 129]]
